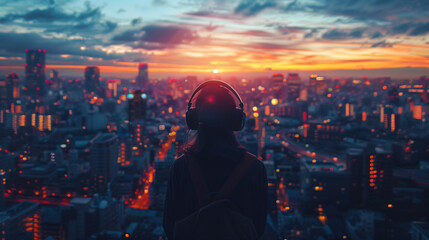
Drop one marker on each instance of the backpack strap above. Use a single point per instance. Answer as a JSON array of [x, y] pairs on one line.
[[197, 179], [234, 178], [237, 174]]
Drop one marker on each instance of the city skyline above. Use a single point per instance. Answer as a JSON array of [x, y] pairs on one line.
[[256, 38]]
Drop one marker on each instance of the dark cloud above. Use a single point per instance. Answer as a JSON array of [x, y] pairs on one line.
[[56, 14], [402, 28], [89, 21], [136, 21], [371, 9], [212, 14], [171, 35], [287, 29], [152, 37], [337, 34], [420, 29], [127, 36], [382, 44], [16, 43], [310, 33], [376, 34], [159, 2], [253, 7]]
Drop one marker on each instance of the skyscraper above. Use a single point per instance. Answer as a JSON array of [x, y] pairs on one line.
[[55, 80], [142, 79], [35, 72], [92, 78], [9, 88], [313, 84], [136, 105], [293, 87], [104, 156]]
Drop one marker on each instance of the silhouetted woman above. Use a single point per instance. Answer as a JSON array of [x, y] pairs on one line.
[[210, 158]]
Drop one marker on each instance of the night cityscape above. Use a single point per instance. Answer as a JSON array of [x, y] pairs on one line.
[[93, 97]]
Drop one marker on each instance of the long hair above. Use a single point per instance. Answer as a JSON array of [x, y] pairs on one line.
[[214, 137]]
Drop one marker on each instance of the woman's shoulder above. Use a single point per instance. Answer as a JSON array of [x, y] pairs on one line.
[[255, 159]]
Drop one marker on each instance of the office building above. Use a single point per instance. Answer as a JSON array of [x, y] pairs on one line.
[[142, 79], [9, 89], [137, 105], [35, 73], [323, 183], [104, 156], [92, 78], [293, 87]]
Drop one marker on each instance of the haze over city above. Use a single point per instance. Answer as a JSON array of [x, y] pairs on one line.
[[100, 101], [193, 37]]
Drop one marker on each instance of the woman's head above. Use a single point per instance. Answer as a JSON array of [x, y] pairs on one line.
[[215, 106]]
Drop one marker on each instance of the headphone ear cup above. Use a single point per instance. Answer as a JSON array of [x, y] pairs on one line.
[[192, 119], [238, 119]]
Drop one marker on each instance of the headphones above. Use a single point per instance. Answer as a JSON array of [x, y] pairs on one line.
[[237, 116]]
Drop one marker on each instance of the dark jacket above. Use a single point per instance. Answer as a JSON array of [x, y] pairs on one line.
[[249, 196]]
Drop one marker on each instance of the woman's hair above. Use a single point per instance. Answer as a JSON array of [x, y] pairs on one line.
[[214, 136]]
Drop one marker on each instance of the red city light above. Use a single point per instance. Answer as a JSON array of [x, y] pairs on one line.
[[177, 112], [25, 64], [37, 88], [26, 49], [25, 88], [39, 50], [38, 64], [44, 50]]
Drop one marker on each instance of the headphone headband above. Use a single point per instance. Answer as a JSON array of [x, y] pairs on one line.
[[219, 83]]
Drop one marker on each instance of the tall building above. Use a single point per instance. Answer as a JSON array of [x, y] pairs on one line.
[[35, 72], [9, 88], [21, 221], [92, 78], [355, 160], [142, 79], [313, 84], [371, 172], [136, 105], [378, 176], [323, 183], [55, 80], [293, 87], [104, 156], [277, 80]]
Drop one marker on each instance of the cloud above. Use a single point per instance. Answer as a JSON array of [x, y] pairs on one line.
[[16, 43], [382, 44], [422, 28], [56, 14], [159, 2], [127, 36], [253, 7], [171, 35], [156, 36], [371, 9], [258, 33], [337, 34], [376, 34], [136, 21]]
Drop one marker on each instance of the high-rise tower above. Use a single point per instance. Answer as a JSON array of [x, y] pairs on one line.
[[136, 105], [9, 88], [35, 72], [142, 79], [293, 86], [92, 78]]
